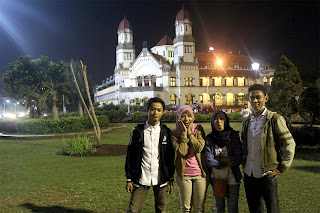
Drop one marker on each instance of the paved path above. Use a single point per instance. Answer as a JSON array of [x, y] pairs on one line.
[[50, 136]]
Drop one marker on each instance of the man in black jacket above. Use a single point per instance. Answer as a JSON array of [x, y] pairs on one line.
[[150, 160]]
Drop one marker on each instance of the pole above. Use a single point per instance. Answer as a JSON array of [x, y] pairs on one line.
[[256, 77]]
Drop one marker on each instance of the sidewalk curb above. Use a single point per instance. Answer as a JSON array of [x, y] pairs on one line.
[[52, 136]]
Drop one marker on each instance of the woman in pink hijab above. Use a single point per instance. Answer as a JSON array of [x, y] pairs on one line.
[[188, 141]]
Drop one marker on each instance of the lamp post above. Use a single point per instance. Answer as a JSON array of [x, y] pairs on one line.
[[255, 67]]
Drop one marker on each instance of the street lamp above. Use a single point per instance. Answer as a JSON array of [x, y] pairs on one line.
[[255, 66]]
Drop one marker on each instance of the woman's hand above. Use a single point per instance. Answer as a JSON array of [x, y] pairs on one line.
[[184, 129], [190, 128]]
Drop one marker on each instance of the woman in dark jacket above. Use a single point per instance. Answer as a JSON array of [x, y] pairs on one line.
[[223, 155]]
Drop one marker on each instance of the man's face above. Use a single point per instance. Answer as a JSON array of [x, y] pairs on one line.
[[155, 113], [257, 99]]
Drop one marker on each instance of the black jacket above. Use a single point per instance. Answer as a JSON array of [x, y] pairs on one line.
[[135, 151]]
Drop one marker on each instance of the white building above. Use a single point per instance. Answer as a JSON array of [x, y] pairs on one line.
[[173, 71]]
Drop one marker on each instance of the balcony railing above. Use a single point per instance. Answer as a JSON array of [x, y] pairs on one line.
[[141, 89]]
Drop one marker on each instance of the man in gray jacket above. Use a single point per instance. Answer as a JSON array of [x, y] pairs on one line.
[[268, 152]]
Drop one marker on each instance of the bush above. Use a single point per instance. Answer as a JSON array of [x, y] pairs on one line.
[[78, 145], [306, 135], [139, 117], [49, 126], [235, 116], [8, 126]]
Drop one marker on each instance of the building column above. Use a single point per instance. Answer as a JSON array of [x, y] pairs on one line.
[[142, 82]]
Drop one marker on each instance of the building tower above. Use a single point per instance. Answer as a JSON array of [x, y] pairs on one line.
[[125, 55], [184, 57]]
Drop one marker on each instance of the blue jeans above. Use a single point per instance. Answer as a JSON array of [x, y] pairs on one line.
[[232, 199], [258, 189]]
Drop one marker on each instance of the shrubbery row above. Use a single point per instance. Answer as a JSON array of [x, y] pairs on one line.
[[49, 126], [140, 117]]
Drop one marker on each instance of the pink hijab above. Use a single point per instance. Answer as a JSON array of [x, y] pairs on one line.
[[181, 110]]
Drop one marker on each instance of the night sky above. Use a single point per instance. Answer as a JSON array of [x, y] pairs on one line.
[[87, 29]]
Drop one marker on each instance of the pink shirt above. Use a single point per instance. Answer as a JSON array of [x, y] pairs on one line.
[[192, 167]]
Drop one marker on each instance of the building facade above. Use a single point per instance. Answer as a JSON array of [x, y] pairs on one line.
[[175, 72]]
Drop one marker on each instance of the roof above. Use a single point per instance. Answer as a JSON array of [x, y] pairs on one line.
[[166, 40], [227, 73], [124, 24], [183, 14], [159, 57], [228, 59]]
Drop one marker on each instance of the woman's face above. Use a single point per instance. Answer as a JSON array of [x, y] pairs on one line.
[[186, 118], [218, 122]]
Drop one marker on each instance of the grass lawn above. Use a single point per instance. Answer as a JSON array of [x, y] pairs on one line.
[[34, 179]]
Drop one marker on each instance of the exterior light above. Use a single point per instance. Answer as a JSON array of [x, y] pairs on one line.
[[255, 66], [219, 61], [211, 48]]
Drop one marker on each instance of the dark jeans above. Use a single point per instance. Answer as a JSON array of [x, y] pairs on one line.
[[139, 195], [258, 189]]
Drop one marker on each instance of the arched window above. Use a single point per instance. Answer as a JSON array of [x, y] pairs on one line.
[[189, 99], [241, 99], [217, 99], [230, 99], [139, 80], [138, 101], [173, 98]]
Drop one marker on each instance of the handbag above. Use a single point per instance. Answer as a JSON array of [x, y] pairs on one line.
[[220, 186]]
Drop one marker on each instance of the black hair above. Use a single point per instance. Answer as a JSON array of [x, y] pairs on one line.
[[155, 100], [258, 87]]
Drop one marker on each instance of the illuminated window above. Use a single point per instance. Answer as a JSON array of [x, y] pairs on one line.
[[188, 81], [229, 82], [271, 79], [173, 98], [265, 81], [189, 99], [241, 98], [230, 99], [240, 81], [217, 99], [145, 100], [172, 81], [217, 81], [138, 101], [206, 82]]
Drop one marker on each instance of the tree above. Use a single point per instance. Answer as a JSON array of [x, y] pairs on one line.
[[309, 103], [79, 77], [52, 92], [24, 76], [285, 87]]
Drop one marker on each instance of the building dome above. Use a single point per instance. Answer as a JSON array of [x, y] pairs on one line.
[[183, 14], [124, 24]]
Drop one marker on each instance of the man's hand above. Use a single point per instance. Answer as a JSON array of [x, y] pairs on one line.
[[274, 174], [170, 187], [129, 187]]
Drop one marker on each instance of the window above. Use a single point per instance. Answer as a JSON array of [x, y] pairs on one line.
[[171, 54], [241, 99], [173, 98], [229, 82], [138, 101], [153, 80], [186, 28], [200, 82], [189, 99], [230, 98], [188, 81], [265, 81], [240, 81], [206, 82], [217, 82], [139, 80], [164, 53], [172, 81], [188, 49]]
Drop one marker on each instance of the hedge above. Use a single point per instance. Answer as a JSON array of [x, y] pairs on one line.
[[140, 117], [49, 126]]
